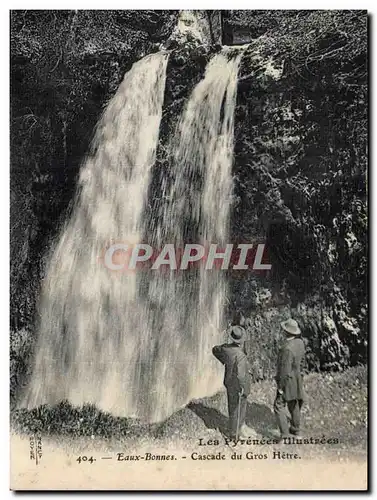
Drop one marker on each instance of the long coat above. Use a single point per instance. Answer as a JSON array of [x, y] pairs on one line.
[[236, 376], [289, 371]]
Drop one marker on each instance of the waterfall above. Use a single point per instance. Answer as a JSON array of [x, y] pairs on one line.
[[85, 347], [139, 344], [196, 210]]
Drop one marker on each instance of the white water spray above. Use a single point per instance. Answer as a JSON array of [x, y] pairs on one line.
[[139, 344]]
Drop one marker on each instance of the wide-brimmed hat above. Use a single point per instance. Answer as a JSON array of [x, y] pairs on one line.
[[291, 327], [237, 334]]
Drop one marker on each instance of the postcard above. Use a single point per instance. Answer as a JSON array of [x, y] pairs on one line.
[[189, 250]]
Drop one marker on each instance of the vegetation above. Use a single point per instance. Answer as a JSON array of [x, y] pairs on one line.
[[300, 160], [301, 163], [207, 418], [65, 65]]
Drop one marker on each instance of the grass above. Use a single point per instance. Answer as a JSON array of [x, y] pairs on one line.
[[336, 407]]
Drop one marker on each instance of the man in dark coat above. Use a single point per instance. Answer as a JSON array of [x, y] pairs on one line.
[[290, 389], [236, 379]]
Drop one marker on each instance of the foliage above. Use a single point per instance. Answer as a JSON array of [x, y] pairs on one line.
[[299, 170], [336, 406], [65, 65], [20, 348], [300, 174], [66, 420]]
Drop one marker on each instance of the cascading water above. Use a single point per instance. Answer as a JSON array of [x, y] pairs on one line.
[[196, 210], [139, 344], [89, 317]]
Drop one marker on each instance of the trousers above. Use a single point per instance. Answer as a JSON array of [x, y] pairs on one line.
[[233, 399], [294, 408]]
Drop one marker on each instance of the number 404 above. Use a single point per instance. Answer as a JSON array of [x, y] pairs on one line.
[[84, 458]]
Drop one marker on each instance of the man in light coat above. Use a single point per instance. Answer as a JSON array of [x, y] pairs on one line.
[[289, 379], [236, 379]]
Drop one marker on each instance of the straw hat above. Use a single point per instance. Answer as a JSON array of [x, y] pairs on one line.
[[291, 327], [237, 334]]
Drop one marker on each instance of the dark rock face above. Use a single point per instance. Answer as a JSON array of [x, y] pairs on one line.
[[65, 66], [299, 169], [300, 184]]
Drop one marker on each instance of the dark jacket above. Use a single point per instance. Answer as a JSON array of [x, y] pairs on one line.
[[233, 357], [289, 371]]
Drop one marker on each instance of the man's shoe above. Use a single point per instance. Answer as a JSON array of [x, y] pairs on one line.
[[296, 434], [281, 439]]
